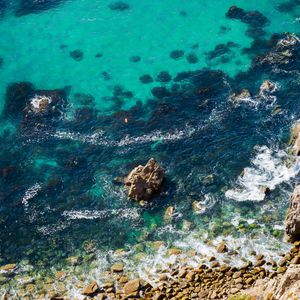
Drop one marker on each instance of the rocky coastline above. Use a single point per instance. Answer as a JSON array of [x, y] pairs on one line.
[[263, 278]]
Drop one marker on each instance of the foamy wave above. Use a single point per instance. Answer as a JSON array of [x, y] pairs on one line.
[[126, 213], [98, 138], [268, 170], [31, 193]]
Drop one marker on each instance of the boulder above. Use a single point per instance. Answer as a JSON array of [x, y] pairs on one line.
[[222, 247], [132, 287], [292, 222], [91, 289], [267, 87], [144, 181]]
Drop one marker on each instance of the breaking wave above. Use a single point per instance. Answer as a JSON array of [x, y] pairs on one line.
[[268, 170]]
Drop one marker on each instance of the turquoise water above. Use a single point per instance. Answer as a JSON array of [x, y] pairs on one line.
[[57, 190]]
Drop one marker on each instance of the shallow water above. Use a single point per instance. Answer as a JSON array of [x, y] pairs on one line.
[[57, 169]]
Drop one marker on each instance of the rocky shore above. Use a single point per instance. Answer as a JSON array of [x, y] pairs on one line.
[[262, 278]]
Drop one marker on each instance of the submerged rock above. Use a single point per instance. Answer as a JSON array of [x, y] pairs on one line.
[[292, 222], [237, 98], [144, 181]]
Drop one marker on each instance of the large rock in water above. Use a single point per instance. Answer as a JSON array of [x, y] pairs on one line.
[[292, 223], [144, 181]]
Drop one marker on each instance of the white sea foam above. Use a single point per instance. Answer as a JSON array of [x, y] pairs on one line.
[[267, 171], [125, 213], [99, 138], [36, 101], [31, 193]]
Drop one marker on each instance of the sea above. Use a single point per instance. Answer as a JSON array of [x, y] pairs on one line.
[[90, 89]]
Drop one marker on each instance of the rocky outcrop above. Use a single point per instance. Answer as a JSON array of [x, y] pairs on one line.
[[292, 225], [144, 181], [295, 139], [237, 98], [286, 286]]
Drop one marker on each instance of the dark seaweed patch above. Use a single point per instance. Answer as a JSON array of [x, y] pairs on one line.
[[84, 99], [160, 92], [164, 76], [77, 55], [254, 19], [146, 79], [192, 58], [106, 75], [26, 7], [176, 54], [3, 6], [135, 58], [98, 55], [288, 6], [220, 50], [119, 5], [16, 98]]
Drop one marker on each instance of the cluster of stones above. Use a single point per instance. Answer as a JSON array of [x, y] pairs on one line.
[[204, 282]]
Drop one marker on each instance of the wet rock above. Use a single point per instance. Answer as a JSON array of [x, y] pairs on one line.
[[91, 289], [132, 287], [146, 79], [174, 251], [237, 98], [296, 260], [119, 5], [192, 58], [144, 181], [117, 268], [25, 7], [267, 87], [198, 208], [135, 58], [164, 77], [176, 54], [77, 55], [169, 213], [222, 247], [292, 222]]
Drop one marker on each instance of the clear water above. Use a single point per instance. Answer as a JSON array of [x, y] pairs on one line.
[[56, 187]]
